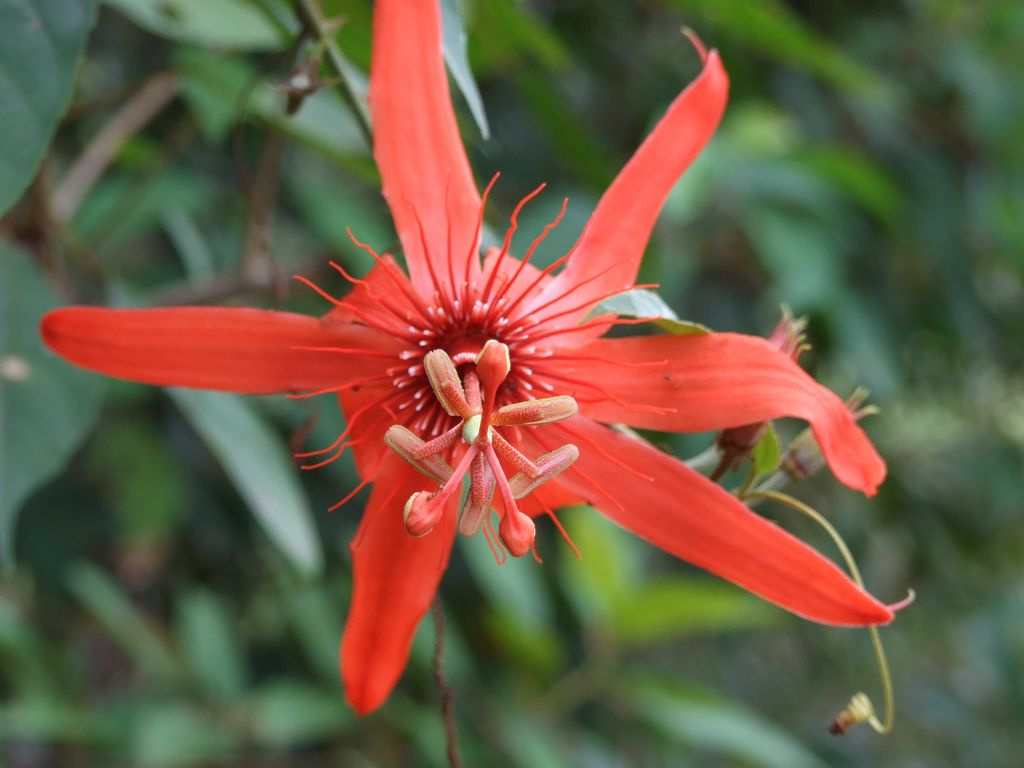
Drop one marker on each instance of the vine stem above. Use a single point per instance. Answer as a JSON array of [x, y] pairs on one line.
[[447, 694], [885, 725]]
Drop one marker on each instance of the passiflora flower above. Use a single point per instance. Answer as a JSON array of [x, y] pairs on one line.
[[490, 369]]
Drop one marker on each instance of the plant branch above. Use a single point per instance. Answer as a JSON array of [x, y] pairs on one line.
[[447, 695], [155, 94], [312, 19]]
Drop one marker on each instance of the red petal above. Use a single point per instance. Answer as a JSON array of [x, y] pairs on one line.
[[239, 350], [614, 240], [715, 381], [692, 518], [395, 578], [416, 141]]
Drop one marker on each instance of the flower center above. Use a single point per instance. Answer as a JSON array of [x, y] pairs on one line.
[[471, 399]]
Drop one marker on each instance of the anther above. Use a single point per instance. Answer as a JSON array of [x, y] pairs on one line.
[[548, 465]]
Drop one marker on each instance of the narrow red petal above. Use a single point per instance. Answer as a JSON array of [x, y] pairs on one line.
[[714, 381], [423, 166], [694, 519], [395, 578], [614, 240], [238, 350]]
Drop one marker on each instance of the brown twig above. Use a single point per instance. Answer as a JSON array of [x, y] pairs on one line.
[[447, 694], [310, 15], [258, 259], [142, 107]]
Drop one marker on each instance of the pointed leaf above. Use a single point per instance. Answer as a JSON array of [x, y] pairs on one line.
[[704, 723], [260, 468], [641, 302], [41, 43], [454, 48], [46, 406], [110, 607], [767, 452], [222, 24]]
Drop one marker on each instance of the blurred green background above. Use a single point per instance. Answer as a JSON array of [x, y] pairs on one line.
[[175, 590]]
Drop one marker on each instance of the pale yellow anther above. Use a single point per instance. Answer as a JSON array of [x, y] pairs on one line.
[[444, 380], [407, 444], [548, 465], [532, 412]]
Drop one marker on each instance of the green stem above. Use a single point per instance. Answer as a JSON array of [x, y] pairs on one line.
[[705, 461], [876, 640]]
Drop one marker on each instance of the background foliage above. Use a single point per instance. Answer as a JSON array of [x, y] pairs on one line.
[[868, 173]]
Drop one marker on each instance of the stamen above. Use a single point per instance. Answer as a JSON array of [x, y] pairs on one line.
[[474, 246], [529, 252], [513, 226], [400, 280]]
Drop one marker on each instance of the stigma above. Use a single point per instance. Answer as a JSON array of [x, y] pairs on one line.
[[475, 449]]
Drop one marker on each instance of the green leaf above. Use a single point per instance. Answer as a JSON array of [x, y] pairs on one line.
[[41, 43], [108, 604], [209, 646], [772, 28], [46, 405], [682, 606], [222, 24], [702, 722], [767, 452], [290, 713], [220, 88], [171, 735], [454, 49], [260, 468], [641, 302]]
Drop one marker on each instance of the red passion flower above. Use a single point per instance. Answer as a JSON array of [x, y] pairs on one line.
[[492, 369]]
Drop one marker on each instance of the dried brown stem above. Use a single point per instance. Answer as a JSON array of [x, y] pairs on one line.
[[447, 695], [142, 107]]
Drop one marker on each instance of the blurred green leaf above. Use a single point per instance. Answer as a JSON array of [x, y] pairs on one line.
[[109, 606], [139, 478], [22, 651], [605, 569], [767, 452], [802, 254], [125, 205], [41, 42], [221, 24], [867, 184], [49, 717], [174, 735], [219, 88], [257, 462], [641, 302], [704, 723], [679, 606], [454, 48], [290, 713], [516, 585], [46, 405], [209, 646], [773, 29], [190, 244], [315, 612]]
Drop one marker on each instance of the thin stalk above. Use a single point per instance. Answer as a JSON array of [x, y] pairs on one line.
[[876, 640], [312, 19]]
